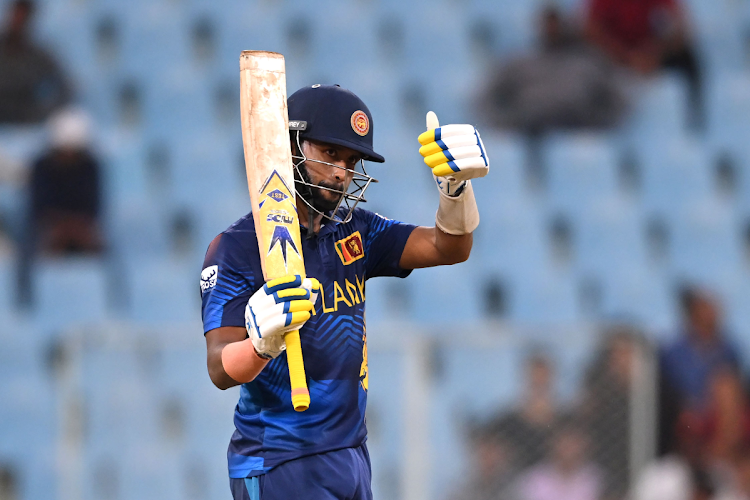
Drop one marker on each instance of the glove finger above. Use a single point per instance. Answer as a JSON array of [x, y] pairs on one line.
[[467, 168], [448, 143], [291, 294], [288, 281], [298, 305], [453, 154], [283, 323], [311, 284], [444, 132]]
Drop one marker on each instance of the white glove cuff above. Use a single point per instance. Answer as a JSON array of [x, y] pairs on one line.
[[458, 215]]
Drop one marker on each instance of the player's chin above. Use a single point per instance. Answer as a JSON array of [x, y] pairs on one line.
[[325, 201]]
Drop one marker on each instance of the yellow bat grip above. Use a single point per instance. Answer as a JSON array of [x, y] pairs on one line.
[[300, 394]]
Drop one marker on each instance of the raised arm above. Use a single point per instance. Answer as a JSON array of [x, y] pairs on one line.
[[456, 154]]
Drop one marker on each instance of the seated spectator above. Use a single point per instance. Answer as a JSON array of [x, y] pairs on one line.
[[645, 36], [32, 85], [565, 84], [605, 407], [65, 190], [725, 422], [567, 473], [528, 427], [492, 467], [690, 361]]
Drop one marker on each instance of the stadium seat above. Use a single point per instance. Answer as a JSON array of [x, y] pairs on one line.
[[443, 295], [545, 296], [609, 235], [640, 295], [70, 292], [507, 177], [706, 246], [675, 173], [659, 108], [728, 110], [164, 290], [579, 168]]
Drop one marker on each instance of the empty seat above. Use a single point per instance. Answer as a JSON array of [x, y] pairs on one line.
[[164, 290], [548, 296], [675, 173], [609, 236], [660, 107], [444, 295], [507, 177], [70, 291], [706, 245], [579, 168]]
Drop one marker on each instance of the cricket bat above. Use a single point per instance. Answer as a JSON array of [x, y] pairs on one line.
[[270, 180]]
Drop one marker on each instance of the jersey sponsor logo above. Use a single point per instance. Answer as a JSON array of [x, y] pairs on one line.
[[360, 123], [350, 249], [208, 278]]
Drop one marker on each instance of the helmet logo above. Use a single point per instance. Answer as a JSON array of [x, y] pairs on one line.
[[360, 123]]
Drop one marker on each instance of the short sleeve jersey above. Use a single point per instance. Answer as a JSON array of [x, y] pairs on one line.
[[342, 257]]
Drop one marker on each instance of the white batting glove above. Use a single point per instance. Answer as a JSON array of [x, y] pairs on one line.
[[455, 153], [282, 305]]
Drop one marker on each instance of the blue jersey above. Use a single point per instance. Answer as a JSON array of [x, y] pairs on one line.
[[342, 257]]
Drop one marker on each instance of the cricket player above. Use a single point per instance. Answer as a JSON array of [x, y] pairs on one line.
[[277, 453]]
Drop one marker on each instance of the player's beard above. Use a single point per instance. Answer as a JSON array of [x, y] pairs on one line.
[[320, 199]]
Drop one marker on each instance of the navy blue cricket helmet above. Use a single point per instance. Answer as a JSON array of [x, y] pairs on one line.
[[331, 114]]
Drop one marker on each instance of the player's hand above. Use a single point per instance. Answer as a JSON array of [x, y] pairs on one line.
[[282, 305], [455, 154]]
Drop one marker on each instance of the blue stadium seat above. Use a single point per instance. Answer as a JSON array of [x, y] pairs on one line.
[[675, 173], [728, 111], [507, 177], [164, 290], [511, 238], [545, 296], [28, 438], [659, 108], [639, 294], [609, 236], [443, 295], [70, 291], [706, 246], [579, 169]]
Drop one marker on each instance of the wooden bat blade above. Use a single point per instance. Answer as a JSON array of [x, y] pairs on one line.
[[270, 181]]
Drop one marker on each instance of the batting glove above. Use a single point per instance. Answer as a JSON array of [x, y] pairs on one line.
[[455, 153], [282, 305]]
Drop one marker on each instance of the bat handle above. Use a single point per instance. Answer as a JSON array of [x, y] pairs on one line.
[[300, 393]]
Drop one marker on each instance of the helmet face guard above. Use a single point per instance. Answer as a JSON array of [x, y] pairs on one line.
[[348, 198]]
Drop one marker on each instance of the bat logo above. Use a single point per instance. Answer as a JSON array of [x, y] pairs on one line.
[[282, 238], [280, 218], [277, 195]]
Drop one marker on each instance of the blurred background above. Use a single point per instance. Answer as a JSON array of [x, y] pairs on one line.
[[593, 347]]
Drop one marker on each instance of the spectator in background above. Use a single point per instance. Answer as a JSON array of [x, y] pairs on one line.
[[566, 474], [606, 409], [492, 467], [32, 85], [565, 84], [65, 189], [645, 36], [688, 364], [528, 428]]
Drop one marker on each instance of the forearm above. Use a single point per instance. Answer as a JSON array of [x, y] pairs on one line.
[[232, 360]]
